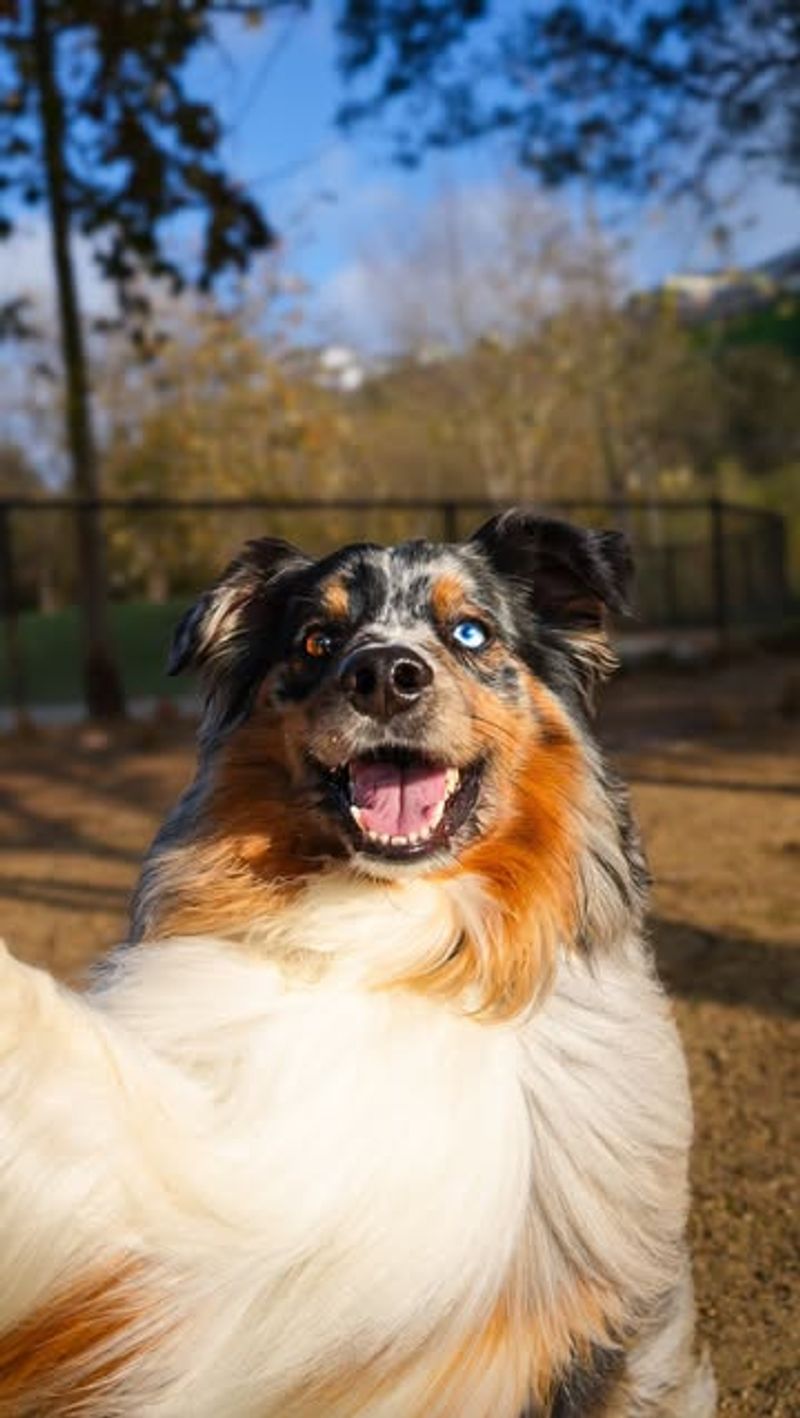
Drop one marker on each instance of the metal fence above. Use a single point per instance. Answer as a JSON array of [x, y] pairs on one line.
[[707, 565]]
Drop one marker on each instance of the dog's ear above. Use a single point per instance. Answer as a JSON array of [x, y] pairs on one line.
[[211, 632], [226, 634], [569, 577], [570, 574]]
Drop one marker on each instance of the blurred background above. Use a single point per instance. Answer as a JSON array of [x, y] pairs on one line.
[[376, 266], [347, 269]]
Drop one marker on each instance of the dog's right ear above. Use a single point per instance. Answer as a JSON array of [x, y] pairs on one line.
[[215, 634]]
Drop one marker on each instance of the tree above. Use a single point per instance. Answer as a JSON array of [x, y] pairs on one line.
[[760, 404], [99, 128], [220, 411], [523, 370], [639, 95], [37, 536], [18, 477]]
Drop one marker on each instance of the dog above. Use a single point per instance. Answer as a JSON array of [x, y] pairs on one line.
[[381, 1110]]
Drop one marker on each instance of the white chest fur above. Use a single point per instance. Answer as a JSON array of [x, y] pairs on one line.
[[324, 1176], [352, 1169]]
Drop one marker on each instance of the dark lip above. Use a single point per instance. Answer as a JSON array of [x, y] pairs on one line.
[[335, 782]]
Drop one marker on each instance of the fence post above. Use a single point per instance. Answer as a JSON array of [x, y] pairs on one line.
[[719, 571], [776, 541], [670, 584], [15, 663], [449, 522]]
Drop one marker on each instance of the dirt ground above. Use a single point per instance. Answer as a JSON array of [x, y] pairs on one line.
[[715, 769]]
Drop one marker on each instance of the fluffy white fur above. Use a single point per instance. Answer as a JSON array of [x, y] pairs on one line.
[[317, 1171]]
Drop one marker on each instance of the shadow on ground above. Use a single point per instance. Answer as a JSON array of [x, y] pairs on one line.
[[727, 969]]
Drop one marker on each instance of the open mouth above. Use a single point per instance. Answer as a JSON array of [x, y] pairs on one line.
[[399, 805]]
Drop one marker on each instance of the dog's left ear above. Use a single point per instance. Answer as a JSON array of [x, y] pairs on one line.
[[569, 577]]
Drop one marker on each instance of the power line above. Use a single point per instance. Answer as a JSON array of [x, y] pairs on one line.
[[290, 169], [263, 72]]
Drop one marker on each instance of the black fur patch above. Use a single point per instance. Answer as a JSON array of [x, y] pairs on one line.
[[586, 1389], [561, 581]]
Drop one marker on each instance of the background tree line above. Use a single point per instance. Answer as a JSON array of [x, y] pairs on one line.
[[520, 368], [101, 130]]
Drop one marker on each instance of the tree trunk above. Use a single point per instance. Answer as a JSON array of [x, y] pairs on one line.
[[615, 484], [102, 684]]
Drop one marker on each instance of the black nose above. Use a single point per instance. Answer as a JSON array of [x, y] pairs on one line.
[[383, 680]]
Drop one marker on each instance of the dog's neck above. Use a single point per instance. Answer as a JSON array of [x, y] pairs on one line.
[[449, 936], [558, 873], [442, 934]]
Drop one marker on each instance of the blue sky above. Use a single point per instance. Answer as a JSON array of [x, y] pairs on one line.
[[330, 195], [333, 198]]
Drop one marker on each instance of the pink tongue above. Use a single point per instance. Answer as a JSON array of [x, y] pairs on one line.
[[396, 801]]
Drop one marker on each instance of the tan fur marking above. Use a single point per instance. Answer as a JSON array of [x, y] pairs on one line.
[[527, 861], [61, 1358], [535, 1347], [448, 597], [335, 600], [256, 841], [516, 1352]]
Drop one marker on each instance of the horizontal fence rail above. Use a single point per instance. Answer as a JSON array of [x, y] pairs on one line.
[[369, 504], [702, 564]]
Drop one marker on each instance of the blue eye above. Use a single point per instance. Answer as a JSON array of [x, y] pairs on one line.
[[470, 634]]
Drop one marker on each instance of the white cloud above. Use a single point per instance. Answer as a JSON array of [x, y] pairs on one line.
[[447, 265], [472, 257], [346, 309]]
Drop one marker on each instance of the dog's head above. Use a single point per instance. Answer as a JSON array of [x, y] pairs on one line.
[[419, 710], [388, 694]]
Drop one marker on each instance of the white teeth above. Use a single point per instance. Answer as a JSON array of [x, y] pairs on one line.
[[383, 839], [357, 817]]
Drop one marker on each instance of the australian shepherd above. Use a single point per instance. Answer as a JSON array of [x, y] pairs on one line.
[[381, 1111]]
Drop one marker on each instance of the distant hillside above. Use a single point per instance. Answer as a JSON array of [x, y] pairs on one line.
[[756, 305]]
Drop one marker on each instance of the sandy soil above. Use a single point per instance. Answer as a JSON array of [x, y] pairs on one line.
[[715, 770]]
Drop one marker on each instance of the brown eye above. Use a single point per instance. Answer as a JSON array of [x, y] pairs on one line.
[[318, 643]]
